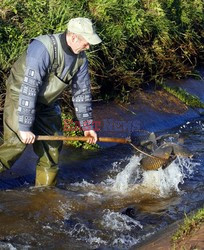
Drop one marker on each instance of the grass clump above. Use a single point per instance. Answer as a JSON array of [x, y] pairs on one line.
[[190, 100], [190, 223]]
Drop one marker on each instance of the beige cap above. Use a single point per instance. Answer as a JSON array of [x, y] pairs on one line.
[[84, 27]]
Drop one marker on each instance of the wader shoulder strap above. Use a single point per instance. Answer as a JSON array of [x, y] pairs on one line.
[[55, 60], [55, 48]]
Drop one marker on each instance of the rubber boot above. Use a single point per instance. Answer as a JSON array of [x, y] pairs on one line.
[[47, 122], [46, 176]]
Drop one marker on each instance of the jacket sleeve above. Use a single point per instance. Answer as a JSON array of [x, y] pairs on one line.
[[81, 97], [37, 65]]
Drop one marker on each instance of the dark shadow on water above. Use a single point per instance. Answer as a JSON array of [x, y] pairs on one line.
[[92, 166]]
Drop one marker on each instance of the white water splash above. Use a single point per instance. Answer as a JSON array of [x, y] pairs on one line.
[[128, 176], [191, 124], [122, 227], [126, 241], [163, 182], [160, 182], [7, 246], [119, 222], [82, 184], [92, 236]]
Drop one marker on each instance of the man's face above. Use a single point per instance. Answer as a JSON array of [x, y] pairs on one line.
[[78, 43]]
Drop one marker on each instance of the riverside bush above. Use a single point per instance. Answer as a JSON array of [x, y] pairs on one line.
[[71, 129], [143, 41]]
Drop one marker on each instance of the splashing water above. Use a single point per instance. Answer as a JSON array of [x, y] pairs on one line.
[[128, 177], [119, 222], [164, 182], [122, 227], [160, 183], [83, 233], [121, 230]]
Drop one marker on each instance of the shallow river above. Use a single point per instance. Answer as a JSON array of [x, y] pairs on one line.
[[103, 199]]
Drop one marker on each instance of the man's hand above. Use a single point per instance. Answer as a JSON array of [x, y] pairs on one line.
[[92, 134], [27, 137]]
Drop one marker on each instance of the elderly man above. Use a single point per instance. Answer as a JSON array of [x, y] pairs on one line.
[[50, 64]]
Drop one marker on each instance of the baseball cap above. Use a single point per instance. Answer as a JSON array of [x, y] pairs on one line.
[[84, 27]]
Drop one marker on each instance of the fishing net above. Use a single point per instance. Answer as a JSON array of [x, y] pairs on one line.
[[156, 154]]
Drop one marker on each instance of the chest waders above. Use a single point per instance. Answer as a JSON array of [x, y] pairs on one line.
[[47, 117]]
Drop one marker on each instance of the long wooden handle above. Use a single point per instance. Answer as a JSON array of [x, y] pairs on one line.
[[79, 138], [101, 139]]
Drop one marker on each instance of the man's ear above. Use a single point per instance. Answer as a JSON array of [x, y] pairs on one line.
[[74, 38]]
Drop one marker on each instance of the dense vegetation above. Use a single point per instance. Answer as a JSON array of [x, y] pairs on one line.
[[143, 41]]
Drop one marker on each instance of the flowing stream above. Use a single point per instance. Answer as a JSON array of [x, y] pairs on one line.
[[104, 200]]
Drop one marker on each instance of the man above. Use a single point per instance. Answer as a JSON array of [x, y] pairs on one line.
[[50, 64]]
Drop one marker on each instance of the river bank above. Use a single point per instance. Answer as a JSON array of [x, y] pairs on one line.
[[163, 240], [151, 110]]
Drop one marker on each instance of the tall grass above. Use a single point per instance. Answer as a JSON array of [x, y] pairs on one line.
[[143, 41]]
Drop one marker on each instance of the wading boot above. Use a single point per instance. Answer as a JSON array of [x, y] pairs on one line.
[[46, 177]]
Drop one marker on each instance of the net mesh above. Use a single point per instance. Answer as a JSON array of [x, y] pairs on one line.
[[154, 156]]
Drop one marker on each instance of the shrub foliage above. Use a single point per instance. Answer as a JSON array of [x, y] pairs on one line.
[[143, 41]]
